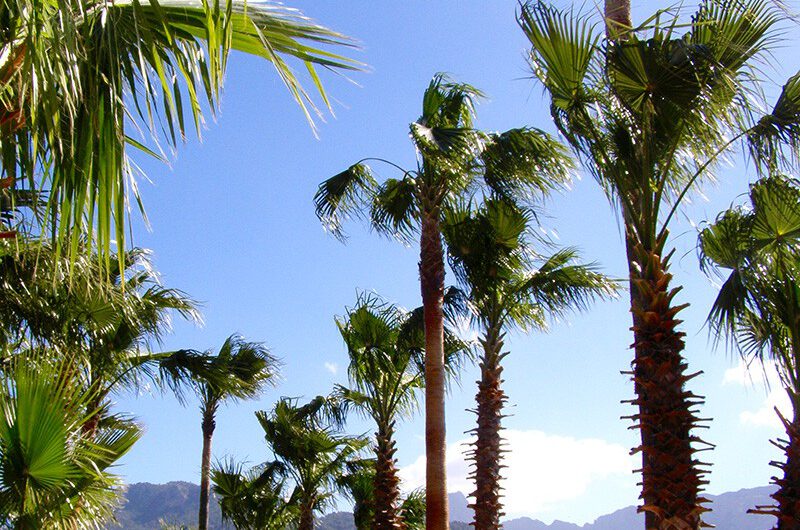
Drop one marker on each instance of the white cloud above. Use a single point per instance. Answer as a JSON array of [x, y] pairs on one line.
[[333, 368], [542, 469], [766, 379]]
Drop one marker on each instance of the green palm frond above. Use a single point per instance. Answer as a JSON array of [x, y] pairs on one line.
[[525, 163], [779, 128], [343, 195], [394, 209]]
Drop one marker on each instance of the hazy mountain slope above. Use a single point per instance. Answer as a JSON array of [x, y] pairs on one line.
[[177, 502]]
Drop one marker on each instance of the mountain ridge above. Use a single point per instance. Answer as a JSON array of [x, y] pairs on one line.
[[176, 502]]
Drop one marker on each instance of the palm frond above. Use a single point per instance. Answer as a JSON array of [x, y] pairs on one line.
[[343, 195]]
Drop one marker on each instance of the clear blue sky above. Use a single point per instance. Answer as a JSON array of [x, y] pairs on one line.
[[234, 226]]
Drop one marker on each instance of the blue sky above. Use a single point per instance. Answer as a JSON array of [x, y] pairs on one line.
[[233, 225]]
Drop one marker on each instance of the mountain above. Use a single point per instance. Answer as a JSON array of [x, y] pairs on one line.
[[174, 502], [177, 503]]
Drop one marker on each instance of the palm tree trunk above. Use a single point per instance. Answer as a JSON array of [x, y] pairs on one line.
[[306, 515], [208, 425], [387, 483], [618, 17], [671, 477], [431, 272], [787, 497], [487, 453]]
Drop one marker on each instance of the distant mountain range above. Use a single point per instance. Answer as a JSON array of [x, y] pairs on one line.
[[177, 503]]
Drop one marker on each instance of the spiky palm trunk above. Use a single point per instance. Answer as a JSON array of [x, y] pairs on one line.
[[671, 477], [487, 452], [787, 497], [618, 16], [208, 425], [387, 483], [431, 273], [307, 514]]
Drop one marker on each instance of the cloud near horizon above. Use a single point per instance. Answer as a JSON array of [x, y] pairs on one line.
[[541, 469]]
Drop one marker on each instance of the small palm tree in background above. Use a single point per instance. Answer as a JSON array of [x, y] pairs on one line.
[[649, 112], [254, 499], [758, 306], [454, 160], [240, 370], [385, 383], [359, 486], [52, 473], [491, 254], [309, 451]]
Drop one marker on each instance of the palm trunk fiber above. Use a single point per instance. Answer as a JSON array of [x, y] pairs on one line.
[[208, 425], [487, 452], [787, 510], [431, 272], [387, 483], [671, 477], [306, 515]]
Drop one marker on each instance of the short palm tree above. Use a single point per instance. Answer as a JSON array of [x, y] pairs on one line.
[[491, 253], [239, 370], [758, 306], [649, 112], [73, 73], [54, 475], [253, 499], [359, 486], [309, 451], [454, 160], [385, 383]]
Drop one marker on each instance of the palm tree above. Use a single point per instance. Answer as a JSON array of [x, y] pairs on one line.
[[649, 115], [359, 486], [240, 370], [53, 474], [758, 306], [490, 253], [453, 160], [253, 499], [106, 329], [308, 450], [73, 71], [385, 385]]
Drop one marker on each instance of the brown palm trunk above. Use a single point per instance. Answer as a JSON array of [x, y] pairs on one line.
[[208, 425], [787, 510], [618, 17], [671, 477], [307, 515], [387, 483], [431, 272], [487, 453]]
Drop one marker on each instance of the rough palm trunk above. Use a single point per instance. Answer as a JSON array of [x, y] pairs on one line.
[[208, 425], [618, 17], [387, 483], [671, 477], [487, 452], [787, 510], [431, 272], [306, 515]]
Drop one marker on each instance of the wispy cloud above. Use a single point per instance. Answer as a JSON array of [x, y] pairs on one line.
[[333, 368], [763, 379], [542, 469]]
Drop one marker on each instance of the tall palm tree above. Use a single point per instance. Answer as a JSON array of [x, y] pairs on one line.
[[649, 115], [53, 474], [491, 253], [239, 370], [72, 72], [758, 306], [453, 160], [385, 383], [308, 450]]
